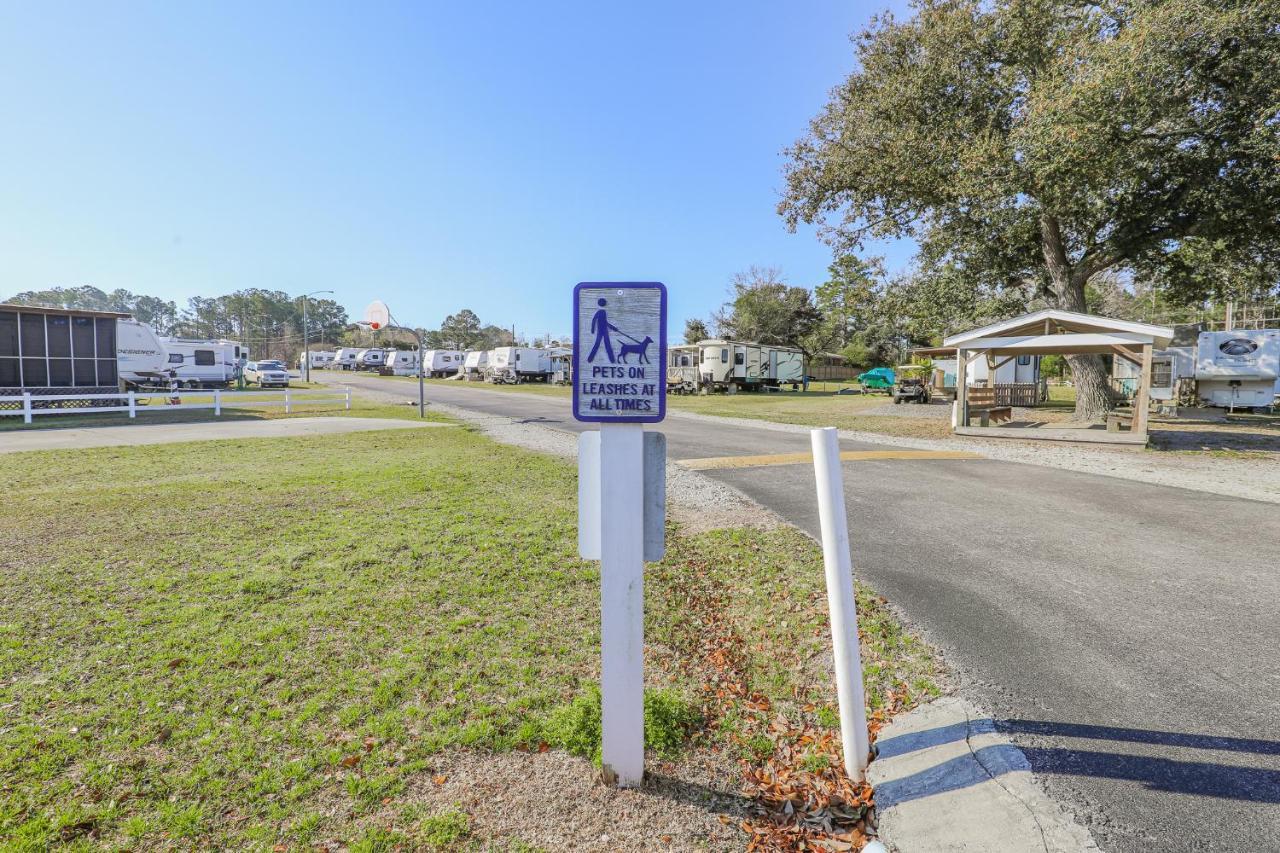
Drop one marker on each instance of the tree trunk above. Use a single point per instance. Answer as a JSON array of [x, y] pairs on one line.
[[1093, 390], [1088, 372]]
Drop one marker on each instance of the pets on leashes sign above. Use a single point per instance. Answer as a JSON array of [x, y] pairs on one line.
[[620, 352], [619, 382]]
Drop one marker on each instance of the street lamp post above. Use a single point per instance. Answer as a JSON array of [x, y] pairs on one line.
[[306, 337]]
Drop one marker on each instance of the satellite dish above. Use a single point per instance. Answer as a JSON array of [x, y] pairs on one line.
[[377, 315]]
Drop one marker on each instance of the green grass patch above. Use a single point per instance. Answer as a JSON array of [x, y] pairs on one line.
[[205, 641], [259, 642]]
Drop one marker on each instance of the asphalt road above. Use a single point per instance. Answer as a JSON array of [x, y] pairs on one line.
[[1125, 634]]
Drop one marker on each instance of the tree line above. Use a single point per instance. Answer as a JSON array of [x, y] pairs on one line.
[[269, 322], [1043, 154]]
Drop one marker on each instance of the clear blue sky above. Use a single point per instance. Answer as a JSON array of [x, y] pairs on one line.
[[482, 155]]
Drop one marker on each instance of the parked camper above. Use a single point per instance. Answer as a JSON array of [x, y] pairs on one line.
[[744, 365], [320, 359], [1238, 369], [370, 359], [139, 353], [682, 368], [475, 364], [345, 359], [519, 364], [204, 363], [561, 365], [401, 362], [442, 362]]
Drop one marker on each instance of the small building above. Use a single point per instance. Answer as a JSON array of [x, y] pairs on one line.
[[51, 350], [1051, 331]]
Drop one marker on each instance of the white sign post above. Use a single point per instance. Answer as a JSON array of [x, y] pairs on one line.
[[619, 381]]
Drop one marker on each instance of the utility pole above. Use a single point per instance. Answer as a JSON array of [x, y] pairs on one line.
[[306, 337]]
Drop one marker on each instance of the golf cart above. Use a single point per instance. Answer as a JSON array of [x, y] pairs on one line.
[[911, 386]]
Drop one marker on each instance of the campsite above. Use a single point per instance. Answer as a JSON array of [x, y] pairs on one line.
[[640, 428]]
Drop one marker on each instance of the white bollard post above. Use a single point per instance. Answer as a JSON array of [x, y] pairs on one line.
[[348, 399], [133, 405], [288, 409], [217, 403], [26, 407], [844, 615], [622, 602]]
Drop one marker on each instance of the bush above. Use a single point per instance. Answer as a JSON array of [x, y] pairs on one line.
[[668, 720]]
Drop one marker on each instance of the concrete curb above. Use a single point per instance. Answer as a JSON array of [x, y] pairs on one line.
[[946, 780]]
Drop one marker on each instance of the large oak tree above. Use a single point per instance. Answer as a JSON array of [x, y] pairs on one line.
[[1034, 144]]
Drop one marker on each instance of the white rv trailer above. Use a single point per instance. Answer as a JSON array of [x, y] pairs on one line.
[[204, 363], [682, 368], [370, 359], [475, 364], [1167, 367], [401, 362], [140, 355], [320, 359], [442, 362], [519, 364], [345, 358], [743, 365], [1238, 369]]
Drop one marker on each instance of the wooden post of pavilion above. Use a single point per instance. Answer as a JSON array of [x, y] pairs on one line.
[[962, 391], [1142, 399]]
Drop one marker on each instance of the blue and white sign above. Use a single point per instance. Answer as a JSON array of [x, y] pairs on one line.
[[620, 352]]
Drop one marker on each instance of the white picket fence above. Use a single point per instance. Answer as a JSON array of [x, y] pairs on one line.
[[134, 402]]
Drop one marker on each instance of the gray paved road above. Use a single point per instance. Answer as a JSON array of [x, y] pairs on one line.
[[1126, 634]]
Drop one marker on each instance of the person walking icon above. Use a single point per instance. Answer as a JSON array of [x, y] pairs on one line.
[[600, 327]]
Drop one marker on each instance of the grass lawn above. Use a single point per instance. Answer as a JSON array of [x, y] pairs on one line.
[[263, 642]]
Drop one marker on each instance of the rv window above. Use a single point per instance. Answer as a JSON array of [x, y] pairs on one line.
[[175, 358], [204, 358], [724, 356], [739, 358], [1024, 360]]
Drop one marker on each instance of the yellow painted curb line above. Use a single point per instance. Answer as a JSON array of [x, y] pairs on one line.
[[714, 462]]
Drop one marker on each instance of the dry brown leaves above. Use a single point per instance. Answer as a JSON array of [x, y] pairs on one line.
[[799, 801]]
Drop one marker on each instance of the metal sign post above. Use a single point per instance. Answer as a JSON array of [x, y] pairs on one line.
[[619, 381]]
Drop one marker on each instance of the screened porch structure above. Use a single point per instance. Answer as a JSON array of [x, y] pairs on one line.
[[1052, 331]]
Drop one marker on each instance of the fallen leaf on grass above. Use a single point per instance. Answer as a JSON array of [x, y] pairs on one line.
[[351, 760]]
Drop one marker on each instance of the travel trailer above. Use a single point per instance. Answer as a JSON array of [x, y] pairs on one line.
[[743, 365], [204, 363], [345, 358], [370, 359], [682, 368], [442, 362], [320, 359], [401, 362], [519, 364], [139, 353], [475, 363], [1238, 369], [561, 365]]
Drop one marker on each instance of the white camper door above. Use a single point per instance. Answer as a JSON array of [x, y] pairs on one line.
[[753, 364]]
